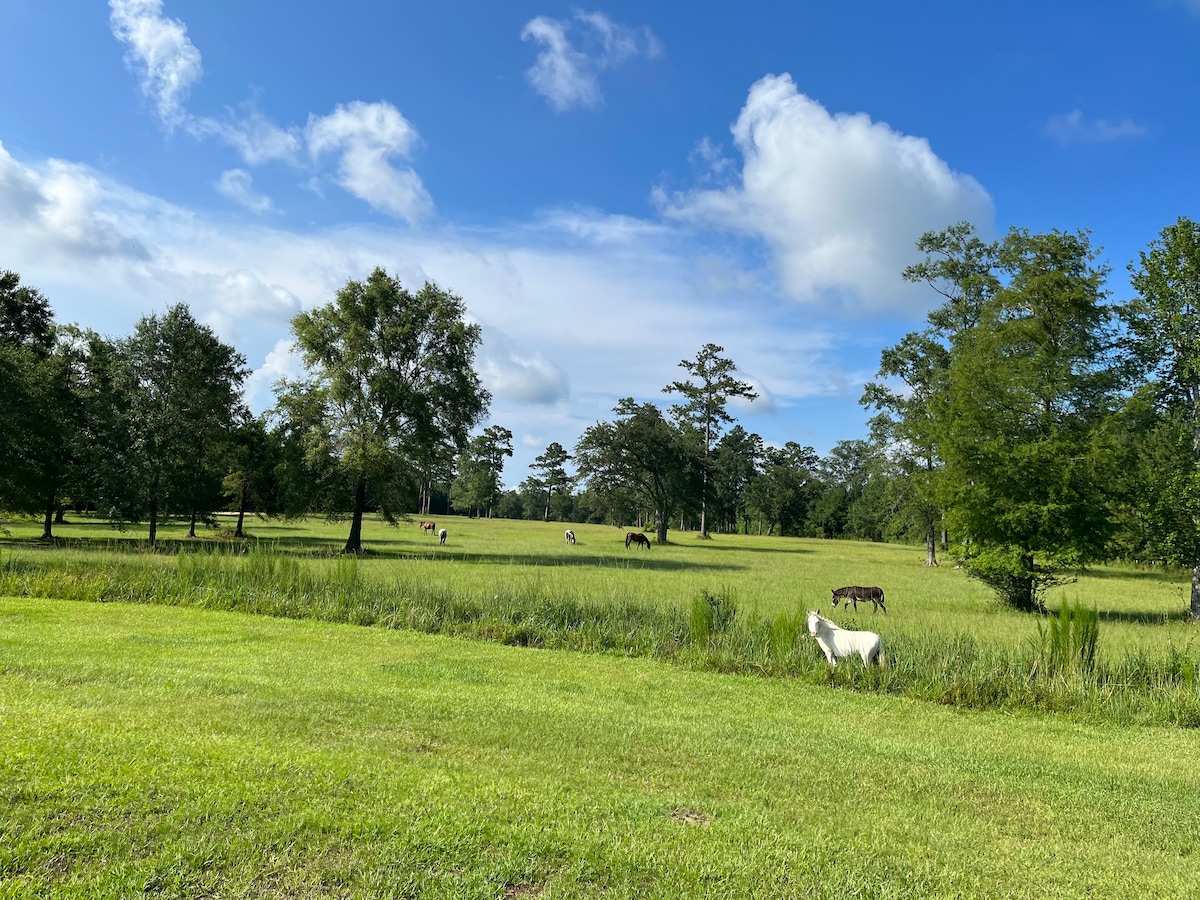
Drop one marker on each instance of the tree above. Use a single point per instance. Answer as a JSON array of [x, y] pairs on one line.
[[479, 468], [33, 401], [251, 478], [780, 494], [960, 267], [175, 390], [551, 468], [907, 421], [706, 394], [1163, 341], [735, 464], [641, 459], [390, 375], [1029, 387]]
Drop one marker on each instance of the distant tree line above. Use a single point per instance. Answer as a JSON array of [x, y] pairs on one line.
[[1032, 427]]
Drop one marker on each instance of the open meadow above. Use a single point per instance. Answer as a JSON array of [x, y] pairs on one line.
[[257, 744]]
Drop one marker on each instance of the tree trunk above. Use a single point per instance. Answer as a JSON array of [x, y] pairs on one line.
[[1195, 610], [153, 521], [660, 529], [60, 514], [238, 532], [192, 526], [354, 541], [930, 545], [546, 518]]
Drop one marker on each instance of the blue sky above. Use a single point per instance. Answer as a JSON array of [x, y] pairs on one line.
[[608, 186]]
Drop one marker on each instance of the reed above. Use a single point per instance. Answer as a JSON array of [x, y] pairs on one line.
[[1061, 671]]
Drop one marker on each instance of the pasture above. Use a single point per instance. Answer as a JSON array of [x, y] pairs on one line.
[[209, 751], [159, 752]]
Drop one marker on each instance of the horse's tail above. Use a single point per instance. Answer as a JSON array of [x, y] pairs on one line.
[[881, 657]]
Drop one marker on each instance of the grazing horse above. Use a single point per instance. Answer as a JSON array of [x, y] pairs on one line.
[[854, 593], [636, 537], [442, 536], [570, 536], [428, 527], [838, 642]]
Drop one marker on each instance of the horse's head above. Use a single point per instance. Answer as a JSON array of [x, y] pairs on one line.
[[814, 622]]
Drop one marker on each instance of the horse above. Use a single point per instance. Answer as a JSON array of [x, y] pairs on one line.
[[837, 642], [428, 527], [853, 593], [570, 536], [442, 536], [636, 537]]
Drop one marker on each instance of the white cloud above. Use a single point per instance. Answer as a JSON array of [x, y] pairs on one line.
[[365, 136], [256, 138], [522, 378], [63, 210], [566, 73], [159, 52], [839, 199], [235, 185], [1073, 128], [281, 361], [579, 309]]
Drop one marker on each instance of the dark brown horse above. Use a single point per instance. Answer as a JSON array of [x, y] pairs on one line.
[[854, 593], [636, 537]]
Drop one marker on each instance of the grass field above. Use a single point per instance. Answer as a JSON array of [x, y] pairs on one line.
[[164, 752]]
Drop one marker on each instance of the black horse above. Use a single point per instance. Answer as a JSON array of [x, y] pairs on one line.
[[854, 593], [636, 537]]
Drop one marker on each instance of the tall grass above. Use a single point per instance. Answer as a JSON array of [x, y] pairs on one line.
[[1060, 672]]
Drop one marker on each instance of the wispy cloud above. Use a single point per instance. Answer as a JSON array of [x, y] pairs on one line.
[[363, 138], [567, 72], [159, 53], [235, 185], [1073, 128]]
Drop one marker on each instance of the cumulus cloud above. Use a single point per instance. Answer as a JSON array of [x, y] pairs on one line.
[[235, 185], [523, 379], [838, 198], [160, 54], [1073, 128], [365, 137], [567, 73]]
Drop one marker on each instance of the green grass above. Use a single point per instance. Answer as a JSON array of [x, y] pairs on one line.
[[149, 751], [518, 583]]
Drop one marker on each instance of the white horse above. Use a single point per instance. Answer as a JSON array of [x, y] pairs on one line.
[[441, 535], [570, 536], [838, 642]]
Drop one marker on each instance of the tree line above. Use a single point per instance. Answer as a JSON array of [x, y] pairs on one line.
[[1032, 427]]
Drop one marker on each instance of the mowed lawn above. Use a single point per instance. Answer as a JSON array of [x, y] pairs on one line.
[[165, 752]]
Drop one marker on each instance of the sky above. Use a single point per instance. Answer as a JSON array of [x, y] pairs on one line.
[[608, 187]]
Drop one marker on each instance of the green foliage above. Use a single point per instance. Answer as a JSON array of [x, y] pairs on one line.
[[703, 412], [390, 382], [711, 614], [640, 460], [1017, 388], [1163, 345], [1067, 642]]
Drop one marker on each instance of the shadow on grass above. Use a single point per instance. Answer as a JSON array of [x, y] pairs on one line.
[[1143, 617], [307, 547], [1163, 576]]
